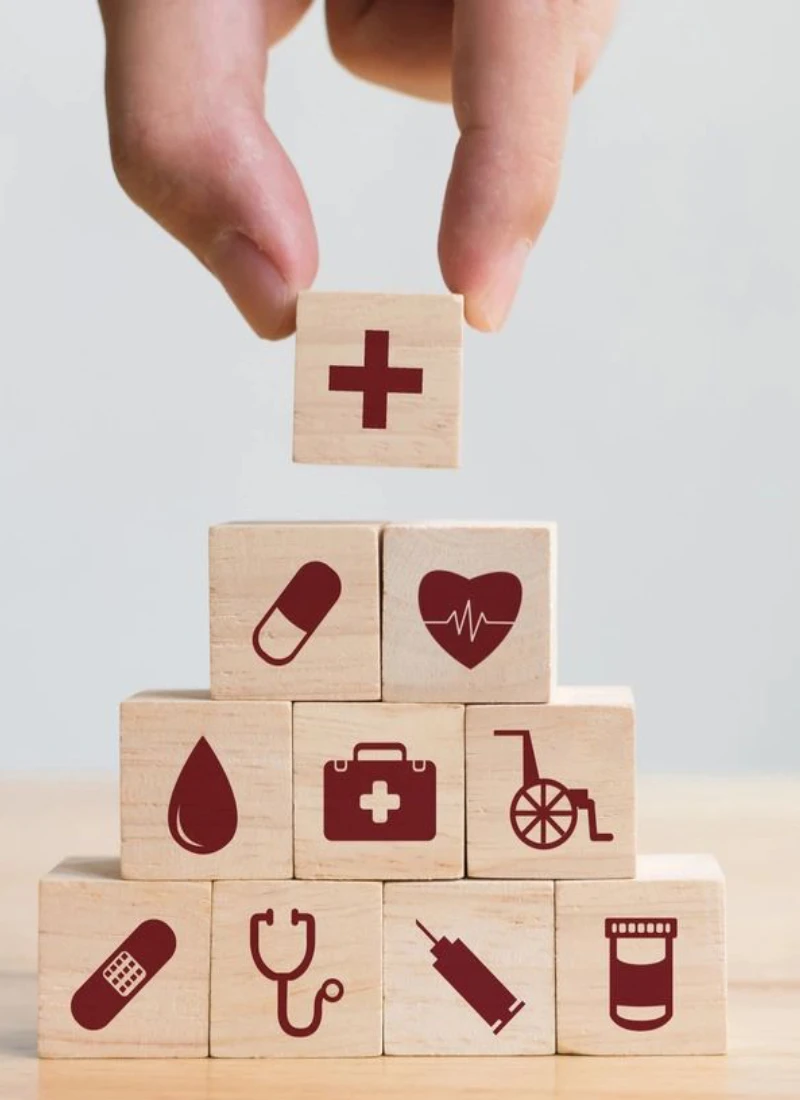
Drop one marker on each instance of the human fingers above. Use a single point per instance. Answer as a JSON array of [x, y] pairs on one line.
[[405, 46], [514, 71], [185, 97]]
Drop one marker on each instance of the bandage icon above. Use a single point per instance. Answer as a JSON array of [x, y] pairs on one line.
[[297, 613], [124, 974]]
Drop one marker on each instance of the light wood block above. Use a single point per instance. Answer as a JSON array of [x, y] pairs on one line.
[[469, 613], [379, 790], [246, 1019], [205, 787], [378, 379], [295, 611], [493, 991], [648, 952], [95, 1002], [570, 811]]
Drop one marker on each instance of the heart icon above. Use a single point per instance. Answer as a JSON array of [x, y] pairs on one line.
[[469, 616]]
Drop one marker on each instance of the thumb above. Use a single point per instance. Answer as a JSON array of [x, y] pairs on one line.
[[184, 89]]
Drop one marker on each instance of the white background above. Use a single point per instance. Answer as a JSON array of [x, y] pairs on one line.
[[645, 394]]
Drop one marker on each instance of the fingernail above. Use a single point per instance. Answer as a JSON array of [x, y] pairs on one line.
[[490, 310], [257, 288]]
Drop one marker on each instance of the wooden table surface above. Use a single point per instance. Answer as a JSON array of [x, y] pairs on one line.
[[753, 825]]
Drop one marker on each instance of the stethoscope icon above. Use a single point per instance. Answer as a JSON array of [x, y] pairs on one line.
[[331, 989]]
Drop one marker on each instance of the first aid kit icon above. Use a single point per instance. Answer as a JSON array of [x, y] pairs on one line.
[[390, 798]]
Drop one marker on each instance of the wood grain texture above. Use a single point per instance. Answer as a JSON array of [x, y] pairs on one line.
[[425, 332], [326, 732], [251, 565], [416, 667], [752, 822], [689, 889], [244, 1020], [85, 912], [509, 927], [584, 740], [252, 741]]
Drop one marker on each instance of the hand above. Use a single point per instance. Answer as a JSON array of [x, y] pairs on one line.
[[185, 94]]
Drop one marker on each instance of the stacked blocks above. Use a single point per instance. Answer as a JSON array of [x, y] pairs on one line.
[[384, 829]]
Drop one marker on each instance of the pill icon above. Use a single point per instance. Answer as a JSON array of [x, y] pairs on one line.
[[297, 613], [125, 972]]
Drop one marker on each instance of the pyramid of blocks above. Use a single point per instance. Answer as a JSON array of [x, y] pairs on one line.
[[385, 829]]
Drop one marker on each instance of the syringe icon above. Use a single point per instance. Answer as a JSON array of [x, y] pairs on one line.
[[474, 981]]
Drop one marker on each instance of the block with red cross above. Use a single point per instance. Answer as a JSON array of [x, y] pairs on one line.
[[378, 379], [378, 790]]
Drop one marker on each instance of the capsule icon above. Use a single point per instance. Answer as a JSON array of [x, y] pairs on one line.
[[297, 613], [123, 975]]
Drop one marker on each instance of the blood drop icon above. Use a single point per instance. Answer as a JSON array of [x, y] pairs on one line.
[[202, 813]]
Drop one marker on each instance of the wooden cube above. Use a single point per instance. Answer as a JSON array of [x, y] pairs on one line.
[[123, 966], [469, 968], [378, 379], [264, 929], [205, 787], [641, 963], [468, 613], [551, 787], [295, 611], [379, 790]]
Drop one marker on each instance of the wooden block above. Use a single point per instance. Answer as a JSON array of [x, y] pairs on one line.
[[647, 953], [469, 968], [123, 966], [205, 787], [569, 810], [295, 611], [333, 1008], [468, 613], [379, 790], [378, 379]]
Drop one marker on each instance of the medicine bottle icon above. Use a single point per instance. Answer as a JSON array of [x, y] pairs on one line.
[[640, 971]]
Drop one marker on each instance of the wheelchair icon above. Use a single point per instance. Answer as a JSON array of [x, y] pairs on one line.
[[544, 812]]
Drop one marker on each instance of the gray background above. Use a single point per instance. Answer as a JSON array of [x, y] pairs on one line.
[[645, 394]]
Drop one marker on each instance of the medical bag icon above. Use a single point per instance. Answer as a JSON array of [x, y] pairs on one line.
[[544, 812], [379, 799]]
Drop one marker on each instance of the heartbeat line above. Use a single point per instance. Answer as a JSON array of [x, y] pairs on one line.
[[467, 621]]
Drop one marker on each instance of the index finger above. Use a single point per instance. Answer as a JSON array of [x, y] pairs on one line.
[[513, 77]]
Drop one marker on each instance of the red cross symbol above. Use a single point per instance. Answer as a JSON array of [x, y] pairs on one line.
[[380, 802], [375, 379]]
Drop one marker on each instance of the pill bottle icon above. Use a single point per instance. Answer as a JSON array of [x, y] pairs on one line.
[[297, 613], [640, 971]]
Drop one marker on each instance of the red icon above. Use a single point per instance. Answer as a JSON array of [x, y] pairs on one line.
[[123, 975], [331, 989], [381, 799], [469, 617], [474, 981], [375, 379], [640, 979], [202, 815], [297, 613], [543, 812]]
